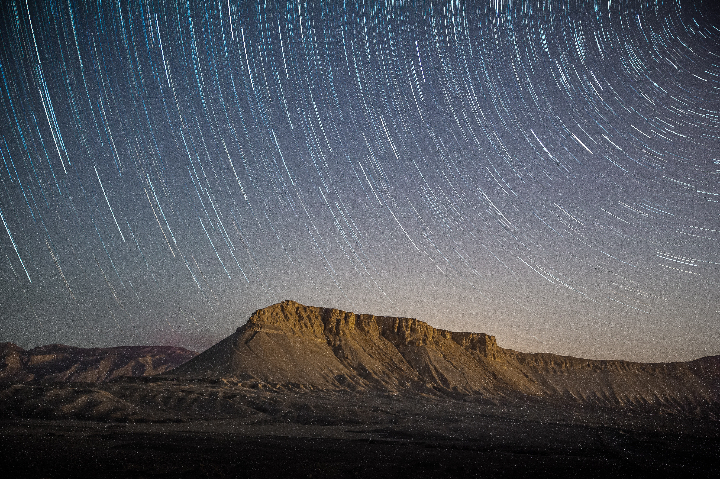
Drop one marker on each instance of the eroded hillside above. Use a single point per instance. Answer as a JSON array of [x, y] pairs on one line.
[[60, 363], [328, 349]]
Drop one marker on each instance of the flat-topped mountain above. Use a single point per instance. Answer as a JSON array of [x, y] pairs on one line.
[[328, 349], [57, 362]]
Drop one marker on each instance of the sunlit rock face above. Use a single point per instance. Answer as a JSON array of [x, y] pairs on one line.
[[322, 348]]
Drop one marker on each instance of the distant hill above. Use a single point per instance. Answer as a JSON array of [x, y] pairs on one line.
[[60, 363], [328, 349]]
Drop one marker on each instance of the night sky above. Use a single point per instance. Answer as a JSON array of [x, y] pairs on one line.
[[546, 172]]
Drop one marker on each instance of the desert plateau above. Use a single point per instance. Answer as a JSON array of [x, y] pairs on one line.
[[301, 391]]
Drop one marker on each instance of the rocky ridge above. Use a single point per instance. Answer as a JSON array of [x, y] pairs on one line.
[[61, 363], [328, 349]]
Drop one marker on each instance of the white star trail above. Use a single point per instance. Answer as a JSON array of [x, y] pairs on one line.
[[528, 169]]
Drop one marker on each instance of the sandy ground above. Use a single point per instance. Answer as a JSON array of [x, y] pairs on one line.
[[373, 435]]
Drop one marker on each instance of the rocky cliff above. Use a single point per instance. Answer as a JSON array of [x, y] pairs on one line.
[[328, 348], [323, 348], [57, 362]]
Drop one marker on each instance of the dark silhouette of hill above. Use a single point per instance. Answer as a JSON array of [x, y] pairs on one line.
[[60, 363]]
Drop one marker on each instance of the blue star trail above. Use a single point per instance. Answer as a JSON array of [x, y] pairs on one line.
[[547, 172]]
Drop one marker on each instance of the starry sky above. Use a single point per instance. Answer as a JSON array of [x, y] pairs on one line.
[[546, 172]]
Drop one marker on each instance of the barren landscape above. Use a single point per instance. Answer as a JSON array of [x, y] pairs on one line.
[[521, 197], [301, 391]]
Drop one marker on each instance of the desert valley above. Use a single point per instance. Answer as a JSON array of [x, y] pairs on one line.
[[301, 391]]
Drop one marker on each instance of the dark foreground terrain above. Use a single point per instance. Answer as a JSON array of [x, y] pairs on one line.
[[162, 427]]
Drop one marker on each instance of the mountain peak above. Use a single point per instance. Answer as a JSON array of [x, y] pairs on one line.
[[289, 344], [330, 323]]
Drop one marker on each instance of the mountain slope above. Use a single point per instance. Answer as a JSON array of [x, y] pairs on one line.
[[323, 348], [57, 362]]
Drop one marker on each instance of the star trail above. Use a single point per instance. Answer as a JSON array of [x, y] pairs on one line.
[[547, 172]]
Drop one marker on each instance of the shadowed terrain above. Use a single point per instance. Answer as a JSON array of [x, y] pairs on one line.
[[60, 363]]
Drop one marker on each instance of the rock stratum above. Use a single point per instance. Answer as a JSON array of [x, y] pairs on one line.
[[61, 363], [327, 349]]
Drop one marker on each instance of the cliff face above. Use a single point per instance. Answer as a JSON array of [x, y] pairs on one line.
[[322, 348], [57, 362], [328, 348]]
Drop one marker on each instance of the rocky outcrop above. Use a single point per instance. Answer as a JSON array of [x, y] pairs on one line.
[[323, 348], [57, 362], [328, 348]]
